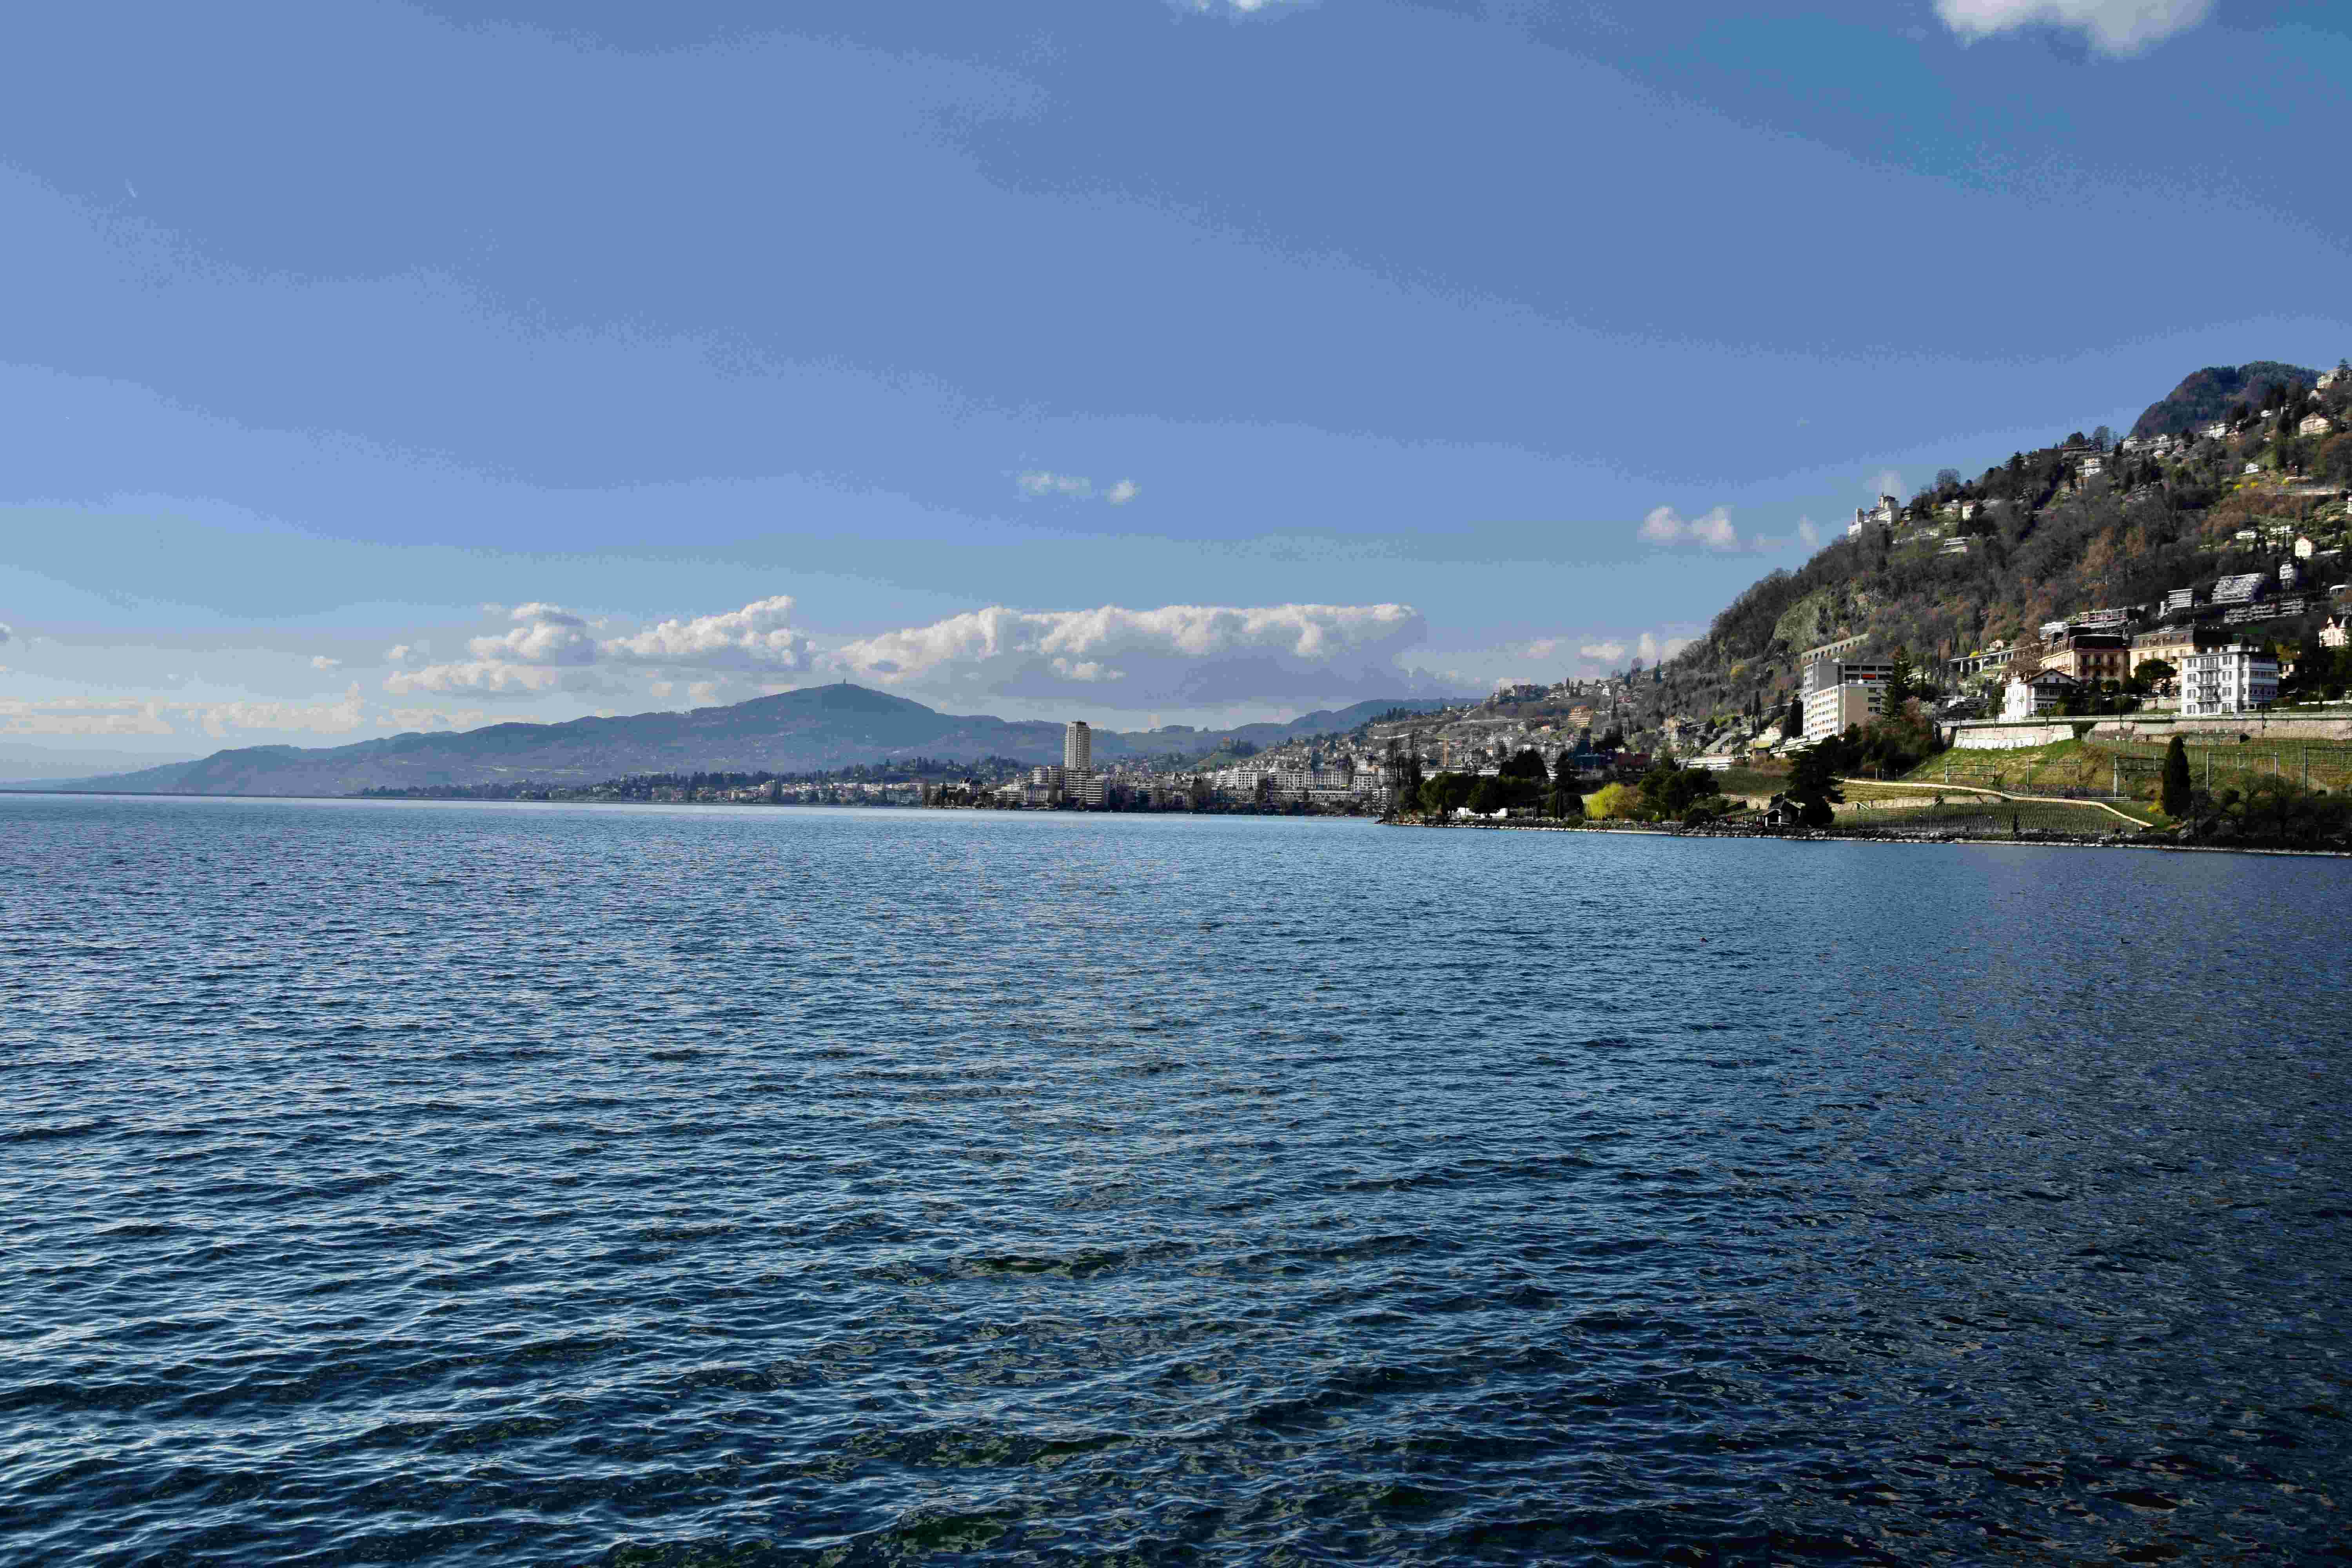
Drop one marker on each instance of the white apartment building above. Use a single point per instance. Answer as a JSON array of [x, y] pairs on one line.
[[2234, 680], [1838, 695], [1077, 749]]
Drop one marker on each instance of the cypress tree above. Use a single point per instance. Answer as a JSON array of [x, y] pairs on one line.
[[2175, 794], [1902, 682]]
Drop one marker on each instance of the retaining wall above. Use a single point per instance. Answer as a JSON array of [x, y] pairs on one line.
[[1995, 735]]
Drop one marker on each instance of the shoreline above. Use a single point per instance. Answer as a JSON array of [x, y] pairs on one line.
[[2038, 841]]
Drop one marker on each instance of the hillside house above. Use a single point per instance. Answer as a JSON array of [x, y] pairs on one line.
[[2172, 645], [2032, 698], [2336, 633], [2216, 431], [2314, 424], [2091, 657]]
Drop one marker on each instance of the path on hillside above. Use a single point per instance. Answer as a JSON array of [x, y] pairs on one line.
[[2000, 795]]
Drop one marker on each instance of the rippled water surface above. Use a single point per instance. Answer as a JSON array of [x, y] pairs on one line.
[[402, 1182]]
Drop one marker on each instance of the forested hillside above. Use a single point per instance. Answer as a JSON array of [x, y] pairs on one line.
[[2085, 523]]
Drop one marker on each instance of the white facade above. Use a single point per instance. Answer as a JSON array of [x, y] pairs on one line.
[[2234, 680], [2032, 699], [1077, 749]]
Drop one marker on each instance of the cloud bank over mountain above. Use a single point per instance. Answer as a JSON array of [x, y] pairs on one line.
[[1175, 656]]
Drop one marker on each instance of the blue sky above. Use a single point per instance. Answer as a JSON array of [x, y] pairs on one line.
[[378, 366]]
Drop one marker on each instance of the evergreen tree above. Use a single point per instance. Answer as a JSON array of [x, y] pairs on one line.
[[1902, 683], [2175, 794], [1792, 722], [1812, 784]]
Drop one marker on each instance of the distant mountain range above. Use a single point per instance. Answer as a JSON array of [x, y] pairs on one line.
[[809, 731]]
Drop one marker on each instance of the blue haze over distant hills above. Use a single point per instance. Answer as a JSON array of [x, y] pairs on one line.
[[811, 730]]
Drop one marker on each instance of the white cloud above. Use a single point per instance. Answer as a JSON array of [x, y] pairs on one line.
[[319, 661], [550, 648], [1647, 647], [1179, 655], [5, 631], [487, 678], [142, 716], [543, 634], [1653, 647], [1808, 534], [759, 636], [406, 653], [83, 716], [1075, 487], [316, 718], [1175, 656], [2112, 26], [1714, 530], [1039, 482]]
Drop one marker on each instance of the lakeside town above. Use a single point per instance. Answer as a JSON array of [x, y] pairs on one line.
[[2040, 648]]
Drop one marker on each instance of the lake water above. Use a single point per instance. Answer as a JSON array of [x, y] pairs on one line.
[[385, 1182]]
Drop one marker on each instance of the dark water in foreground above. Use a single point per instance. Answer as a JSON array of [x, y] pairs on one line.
[[388, 1183]]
